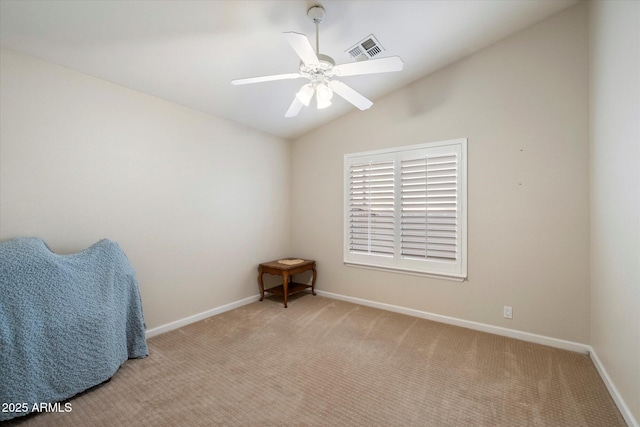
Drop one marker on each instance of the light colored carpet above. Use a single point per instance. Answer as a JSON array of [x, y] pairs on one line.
[[323, 362]]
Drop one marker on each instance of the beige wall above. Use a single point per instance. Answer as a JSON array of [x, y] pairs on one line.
[[523, 105], [195, 201], [615, 193]]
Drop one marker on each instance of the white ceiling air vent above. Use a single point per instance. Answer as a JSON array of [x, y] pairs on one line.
[[365, 49]]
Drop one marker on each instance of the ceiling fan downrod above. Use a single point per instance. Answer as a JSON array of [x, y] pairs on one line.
[[316, 14]]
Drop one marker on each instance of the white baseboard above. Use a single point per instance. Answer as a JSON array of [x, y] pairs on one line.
[[483, 327], [613, 391], [196, 317]]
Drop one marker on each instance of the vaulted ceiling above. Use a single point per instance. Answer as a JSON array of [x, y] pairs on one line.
[[189, 51]]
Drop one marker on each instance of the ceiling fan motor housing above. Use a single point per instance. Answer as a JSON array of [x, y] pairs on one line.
[[322, 69], [326, 59]]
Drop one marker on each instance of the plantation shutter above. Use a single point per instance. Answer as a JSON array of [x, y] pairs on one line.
[[405, 209], [429, 207], [371, 208]]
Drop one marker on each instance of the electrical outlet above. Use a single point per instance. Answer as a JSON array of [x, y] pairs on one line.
[[508, 312]]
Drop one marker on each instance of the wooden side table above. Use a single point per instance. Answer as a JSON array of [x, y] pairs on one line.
[[286, 271]]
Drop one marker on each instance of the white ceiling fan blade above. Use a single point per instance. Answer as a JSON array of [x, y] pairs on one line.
[[350, 95], [371, 66], [300, 43], [294, 108], [266, 78]]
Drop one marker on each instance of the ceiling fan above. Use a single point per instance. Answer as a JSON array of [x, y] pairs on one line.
[[321, 69]]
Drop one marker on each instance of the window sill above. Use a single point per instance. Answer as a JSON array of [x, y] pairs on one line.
[[405, 271]]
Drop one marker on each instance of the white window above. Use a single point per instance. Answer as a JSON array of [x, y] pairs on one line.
[[405, 209]]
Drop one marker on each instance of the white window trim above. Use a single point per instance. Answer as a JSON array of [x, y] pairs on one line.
[[396, 263]]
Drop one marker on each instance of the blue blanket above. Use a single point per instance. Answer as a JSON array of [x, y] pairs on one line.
[[67, 322]]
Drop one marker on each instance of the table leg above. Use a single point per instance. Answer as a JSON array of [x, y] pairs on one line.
[[285, 280], [313, 282], [260, 284]]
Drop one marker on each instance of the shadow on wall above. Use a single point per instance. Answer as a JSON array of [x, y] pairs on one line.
[[426, 95]]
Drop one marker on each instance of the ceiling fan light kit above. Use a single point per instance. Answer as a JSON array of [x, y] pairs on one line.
[[305, 94], [320, 70], [323, 97]]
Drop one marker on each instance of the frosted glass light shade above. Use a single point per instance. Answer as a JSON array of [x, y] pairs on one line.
[[304, 94]]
